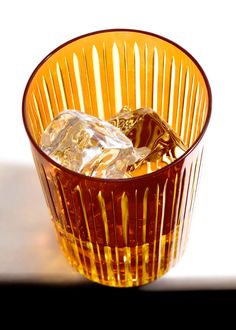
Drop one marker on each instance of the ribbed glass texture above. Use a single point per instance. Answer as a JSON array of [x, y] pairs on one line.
[[125, 232]]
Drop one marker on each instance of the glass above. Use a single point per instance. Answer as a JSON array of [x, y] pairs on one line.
[[121, 232]]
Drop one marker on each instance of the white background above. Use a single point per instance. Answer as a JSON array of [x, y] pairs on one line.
[[29, 30]]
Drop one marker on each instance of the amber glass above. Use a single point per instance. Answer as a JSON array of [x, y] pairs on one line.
[[123, 232]]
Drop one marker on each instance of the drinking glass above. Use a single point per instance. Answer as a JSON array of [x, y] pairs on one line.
[[121, 232]]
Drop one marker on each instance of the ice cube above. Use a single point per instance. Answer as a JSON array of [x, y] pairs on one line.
[[90, 146], [145, 128]]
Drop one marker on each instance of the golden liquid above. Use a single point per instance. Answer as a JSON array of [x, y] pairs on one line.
[[122, 267], [121, 237]]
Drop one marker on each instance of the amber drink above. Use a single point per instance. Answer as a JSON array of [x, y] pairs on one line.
[[128, 230]]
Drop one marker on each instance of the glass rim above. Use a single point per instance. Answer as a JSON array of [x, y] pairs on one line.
[[123, 180]]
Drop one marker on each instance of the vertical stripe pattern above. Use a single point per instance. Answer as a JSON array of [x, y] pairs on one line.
[[121, 233]]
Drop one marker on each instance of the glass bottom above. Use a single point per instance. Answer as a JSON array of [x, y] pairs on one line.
[[127, 266]]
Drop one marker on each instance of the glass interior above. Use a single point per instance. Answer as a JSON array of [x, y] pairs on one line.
[[103, 72]]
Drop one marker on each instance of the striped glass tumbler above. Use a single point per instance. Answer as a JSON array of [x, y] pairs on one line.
[[121, 232]]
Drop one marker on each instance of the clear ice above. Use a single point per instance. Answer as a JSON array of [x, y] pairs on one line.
[[132, 143], [145, 128], [90, 146]]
